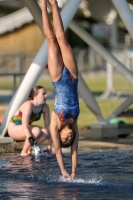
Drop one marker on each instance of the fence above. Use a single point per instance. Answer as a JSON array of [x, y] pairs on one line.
[[14, 67]]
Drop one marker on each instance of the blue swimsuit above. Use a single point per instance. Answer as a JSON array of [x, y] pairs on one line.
[[67, 105]]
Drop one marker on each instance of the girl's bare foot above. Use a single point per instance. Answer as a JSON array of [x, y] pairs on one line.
[[43, 3], [23, 154], [52, 2], [29, 151]]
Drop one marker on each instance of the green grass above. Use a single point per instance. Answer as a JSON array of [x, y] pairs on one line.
[[97, 85], [86, 117], [122, 84]]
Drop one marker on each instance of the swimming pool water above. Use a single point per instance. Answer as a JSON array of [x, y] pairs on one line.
[[100, 175]]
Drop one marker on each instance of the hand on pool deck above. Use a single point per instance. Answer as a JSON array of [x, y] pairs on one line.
[[66, 175], [49, 149], [73, 175], [69, 177]]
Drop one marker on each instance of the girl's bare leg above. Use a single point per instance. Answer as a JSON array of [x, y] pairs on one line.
[[25, 150], [55, 62], [17, 133], [29, 150], [66, 51], [40, 135]]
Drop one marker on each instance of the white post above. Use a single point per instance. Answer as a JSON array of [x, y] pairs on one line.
[[125, 14], [114, 33], [109, 77]]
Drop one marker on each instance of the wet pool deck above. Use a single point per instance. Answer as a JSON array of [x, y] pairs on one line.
[[88, 145]]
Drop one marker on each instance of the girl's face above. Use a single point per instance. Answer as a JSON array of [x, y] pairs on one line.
[[66, 136], [41, 96]]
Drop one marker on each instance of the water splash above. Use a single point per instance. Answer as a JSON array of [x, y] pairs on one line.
[[38, 152], [80, 180]]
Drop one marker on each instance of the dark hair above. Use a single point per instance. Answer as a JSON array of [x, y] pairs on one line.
[[69, 143], [34, 91]]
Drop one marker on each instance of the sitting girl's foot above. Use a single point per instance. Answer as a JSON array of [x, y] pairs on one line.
[[29, 151], [23, 154]]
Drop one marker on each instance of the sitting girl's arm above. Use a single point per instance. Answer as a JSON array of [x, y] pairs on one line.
[[27, 109]]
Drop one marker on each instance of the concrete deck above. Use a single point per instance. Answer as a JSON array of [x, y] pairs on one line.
[[6, 145], [88, 145]]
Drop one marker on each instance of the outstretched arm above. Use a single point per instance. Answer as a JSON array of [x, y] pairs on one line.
[[74, 151], [56, 141]]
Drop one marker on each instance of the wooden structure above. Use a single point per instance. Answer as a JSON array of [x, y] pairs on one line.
[[26, 39]]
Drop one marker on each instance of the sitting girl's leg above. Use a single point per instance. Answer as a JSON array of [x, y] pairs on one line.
[[16, 132], [39, 134], [66, 51], [25, 151], [55, 62]]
